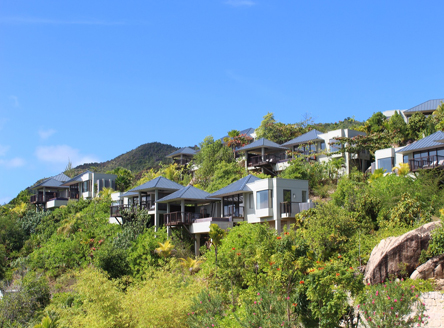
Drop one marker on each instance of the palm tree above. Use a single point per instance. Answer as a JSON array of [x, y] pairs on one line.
[[192, 266], [165, 249]]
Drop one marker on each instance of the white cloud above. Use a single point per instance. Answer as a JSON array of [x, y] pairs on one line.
[[45, 134], [12, 163], [45, 21], [5, 200], [60, 154], [240, 3], [3, 150], [15, 101]]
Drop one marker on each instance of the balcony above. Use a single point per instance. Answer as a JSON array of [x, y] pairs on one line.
[[234, 211], [428, 162], [266, 159], [38, 199], [290, 209], [180, 218]]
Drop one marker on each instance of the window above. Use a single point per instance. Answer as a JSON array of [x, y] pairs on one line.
[[304, 196], [262, 199], [287, 196], [405, 159], [250, 201], [85, 186], [440, 153], [312, 148], [322, 145], [386, 164], [334, 146]]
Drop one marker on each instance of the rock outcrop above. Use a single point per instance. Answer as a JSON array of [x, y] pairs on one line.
[[396, 254], [433, 268]]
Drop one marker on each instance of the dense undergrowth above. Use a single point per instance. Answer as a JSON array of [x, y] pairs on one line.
[[72, 268]]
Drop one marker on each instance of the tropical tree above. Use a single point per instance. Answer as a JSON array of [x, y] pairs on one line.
[[124, 178], [165, 249], [191, 265]]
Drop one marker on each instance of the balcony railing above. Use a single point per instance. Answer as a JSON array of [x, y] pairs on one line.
[[428, 162], [180, 218], [266, 159], [234, 211], [39, 197], [183, 161], [290, 209]]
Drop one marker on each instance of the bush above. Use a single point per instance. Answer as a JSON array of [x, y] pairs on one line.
[[18, 308], [113, 260], [390, 304], [142, 257]]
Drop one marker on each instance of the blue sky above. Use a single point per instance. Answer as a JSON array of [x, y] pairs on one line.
[[90, 80]]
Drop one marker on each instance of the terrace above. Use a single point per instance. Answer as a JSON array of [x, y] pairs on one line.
[[426, 162]]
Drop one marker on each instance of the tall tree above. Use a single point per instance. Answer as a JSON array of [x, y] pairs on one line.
[[211, 153]]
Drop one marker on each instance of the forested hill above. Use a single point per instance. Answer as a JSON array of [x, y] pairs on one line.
[[145, 156]]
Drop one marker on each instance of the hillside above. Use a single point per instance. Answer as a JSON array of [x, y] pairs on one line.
[[145, 156]]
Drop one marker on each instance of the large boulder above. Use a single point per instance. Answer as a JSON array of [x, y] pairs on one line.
[[396, 254], [433, 268]]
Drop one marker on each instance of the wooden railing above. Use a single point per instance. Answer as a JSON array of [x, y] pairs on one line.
[[180, 218], [266, 159], [428, 162], [39, 197]]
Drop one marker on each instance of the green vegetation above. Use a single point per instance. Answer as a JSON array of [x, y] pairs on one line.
[[146, 156], [71, 268]]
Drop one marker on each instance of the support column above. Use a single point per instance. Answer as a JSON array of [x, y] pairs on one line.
[[276, 214], [246, 161], [196, 244], [140, 200], [44, 194], [168, 227], [182, 209], [156, 210], [263, 154]]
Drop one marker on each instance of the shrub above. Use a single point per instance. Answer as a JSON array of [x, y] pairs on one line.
[[390, 304]]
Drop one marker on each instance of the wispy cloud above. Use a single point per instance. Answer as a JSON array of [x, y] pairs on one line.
[[240, 3], [15, 101], [12, 163], [60, 154], [3, 150], [48, 21], [45, 134]]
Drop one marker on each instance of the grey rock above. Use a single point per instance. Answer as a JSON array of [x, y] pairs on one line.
[[392, 254]]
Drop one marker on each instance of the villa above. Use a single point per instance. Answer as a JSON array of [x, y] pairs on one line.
[[273, 201], [426, 153], [50, 193]]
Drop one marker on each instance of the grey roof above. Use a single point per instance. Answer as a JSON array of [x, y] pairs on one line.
[[182, 151], [158, 183], [304, 138], [77, 178], [187, 193], [236, 187], [129, 194], [429, 105], [55, 181], [61, 177], [50, 182], [425, 143], [262, 143]]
